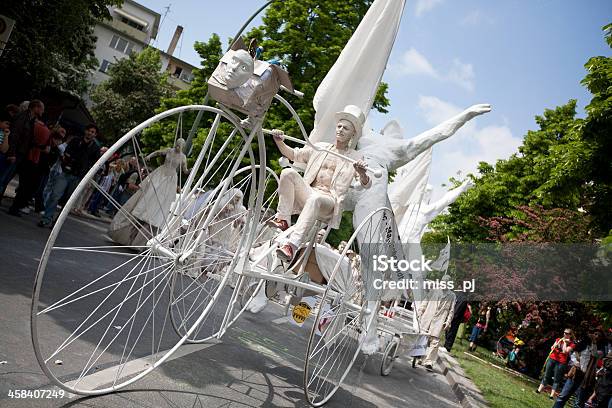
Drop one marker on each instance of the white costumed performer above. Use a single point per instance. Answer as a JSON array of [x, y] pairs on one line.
[[151, 203], [435, 315], [320, 193]]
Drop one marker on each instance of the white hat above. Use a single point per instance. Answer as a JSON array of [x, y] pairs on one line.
[[354, 115]]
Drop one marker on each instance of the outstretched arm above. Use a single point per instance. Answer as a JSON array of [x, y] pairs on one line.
[[408, 150], [431, 211], [157, 153]]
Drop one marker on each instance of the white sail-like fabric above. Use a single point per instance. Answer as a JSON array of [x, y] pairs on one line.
[[406, 190], [441, 264], [356, 74]]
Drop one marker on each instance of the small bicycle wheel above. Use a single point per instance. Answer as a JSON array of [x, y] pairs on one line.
[[348, 308], [99, 306], [219, 254], [389, 357]]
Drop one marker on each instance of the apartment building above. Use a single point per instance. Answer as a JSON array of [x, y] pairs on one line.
[[131, 28]]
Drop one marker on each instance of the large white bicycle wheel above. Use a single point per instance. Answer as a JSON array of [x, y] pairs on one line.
[[191, 289], [348, 308], [108, 325]]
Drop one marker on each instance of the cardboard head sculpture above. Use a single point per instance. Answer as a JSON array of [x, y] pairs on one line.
[[238, 68], [246, 84]]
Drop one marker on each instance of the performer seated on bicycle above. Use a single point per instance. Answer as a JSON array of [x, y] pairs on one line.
[[320, 193]]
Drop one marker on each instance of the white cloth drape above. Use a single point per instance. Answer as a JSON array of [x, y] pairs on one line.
[[356, 74], [406, 190]]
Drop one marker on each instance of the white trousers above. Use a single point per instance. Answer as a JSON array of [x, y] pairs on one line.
[[295, 196], [431, 355]]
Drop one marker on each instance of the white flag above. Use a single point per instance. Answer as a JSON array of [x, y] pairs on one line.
[[356, 74]]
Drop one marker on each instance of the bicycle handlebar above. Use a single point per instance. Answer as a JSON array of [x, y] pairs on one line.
[[376, 172]]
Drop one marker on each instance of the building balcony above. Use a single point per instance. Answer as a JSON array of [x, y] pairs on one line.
[[130, 32], [178, 83]]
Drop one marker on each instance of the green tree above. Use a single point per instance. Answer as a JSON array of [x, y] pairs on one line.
[[51, 45], [131, 94], [307, 36], [563, 164]]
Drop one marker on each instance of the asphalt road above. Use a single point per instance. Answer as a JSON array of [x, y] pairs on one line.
[[259, 362]]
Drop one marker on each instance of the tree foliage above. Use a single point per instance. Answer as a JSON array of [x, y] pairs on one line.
[[51, 45], [563, 164], [307, 36], [131, 94]]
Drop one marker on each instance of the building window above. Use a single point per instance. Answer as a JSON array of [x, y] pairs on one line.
[[177, 72], [121, 44], [105, 66], [132, 23]]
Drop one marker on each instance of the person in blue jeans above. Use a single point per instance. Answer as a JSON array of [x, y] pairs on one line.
[[556, 363], [481, 325], [80, 155], [581, 377]]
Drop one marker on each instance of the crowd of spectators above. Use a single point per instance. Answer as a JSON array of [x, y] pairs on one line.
[[49, 161]]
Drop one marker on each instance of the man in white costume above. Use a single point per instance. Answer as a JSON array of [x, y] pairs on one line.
[[320, 193], [435, 315]]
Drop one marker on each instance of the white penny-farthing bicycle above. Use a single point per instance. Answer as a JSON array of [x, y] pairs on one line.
[[187, 277]]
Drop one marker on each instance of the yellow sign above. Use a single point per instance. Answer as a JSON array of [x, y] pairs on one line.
[[301, 311]]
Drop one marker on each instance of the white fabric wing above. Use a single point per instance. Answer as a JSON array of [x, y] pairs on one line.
[[356, 74]]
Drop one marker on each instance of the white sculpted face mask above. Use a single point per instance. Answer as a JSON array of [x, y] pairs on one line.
[[239, 69], [344, 131]]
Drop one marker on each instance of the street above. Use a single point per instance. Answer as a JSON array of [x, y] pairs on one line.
[[259, 361]]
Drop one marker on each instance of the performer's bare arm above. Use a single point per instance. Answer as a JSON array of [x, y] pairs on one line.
[[285, 150], [157, 153]]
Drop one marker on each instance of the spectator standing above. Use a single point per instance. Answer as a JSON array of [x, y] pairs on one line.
[[459, 316], [113, 171], [127, 185], [556, 364], [587, 357], [484, 315], [602, 397], [27, 167], [48, 158], [20, 141], [80, 155]]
